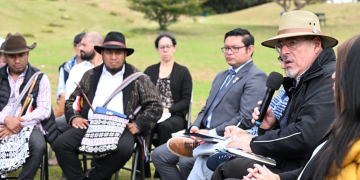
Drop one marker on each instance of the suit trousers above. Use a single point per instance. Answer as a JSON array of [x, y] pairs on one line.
[[236, 168], [165, 163], [164, 130], [66, 151], [62, 124], [37, 148]]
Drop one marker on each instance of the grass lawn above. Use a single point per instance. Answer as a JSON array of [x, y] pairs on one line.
[[199, 42]]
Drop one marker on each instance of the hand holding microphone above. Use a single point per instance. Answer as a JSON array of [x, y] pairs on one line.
[[273, 83]]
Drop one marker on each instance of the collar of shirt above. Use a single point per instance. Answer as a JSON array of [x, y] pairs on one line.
[[22, 74], [298, 78], [86, 63], [238, 69], [118, 74], [70, 64]]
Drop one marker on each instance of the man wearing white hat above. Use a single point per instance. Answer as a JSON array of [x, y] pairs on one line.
[[309, 61]]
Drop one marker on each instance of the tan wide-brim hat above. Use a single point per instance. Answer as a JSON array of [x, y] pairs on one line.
[[300, 23], [16, 43]]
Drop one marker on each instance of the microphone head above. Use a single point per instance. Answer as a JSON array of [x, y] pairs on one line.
[[274, 80]]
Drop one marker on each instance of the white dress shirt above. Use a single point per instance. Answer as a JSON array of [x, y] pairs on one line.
[[108, 83], [75, 75]]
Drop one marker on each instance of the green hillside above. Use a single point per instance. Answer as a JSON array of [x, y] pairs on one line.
[[199, 42]]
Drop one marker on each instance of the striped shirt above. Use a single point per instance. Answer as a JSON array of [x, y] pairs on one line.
[[277, 105], [43, 101], [279, 102]]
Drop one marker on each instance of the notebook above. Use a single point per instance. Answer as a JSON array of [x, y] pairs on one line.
[[206, 137], [255, 157]]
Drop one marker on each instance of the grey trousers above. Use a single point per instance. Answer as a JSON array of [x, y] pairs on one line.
[[165, 163], [62, 124], [37, 148]]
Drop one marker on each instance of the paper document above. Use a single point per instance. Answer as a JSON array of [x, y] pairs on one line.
[[256, 157], [164, 117], [207, 137]]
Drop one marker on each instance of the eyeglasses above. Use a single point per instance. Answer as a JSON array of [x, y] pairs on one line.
[[233, 49], [167, 47], [292, 44]]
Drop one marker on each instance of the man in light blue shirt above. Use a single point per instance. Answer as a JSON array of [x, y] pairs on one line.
[[64, 71], [233, 96]]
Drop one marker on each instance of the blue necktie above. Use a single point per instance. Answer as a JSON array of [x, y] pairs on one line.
[[212, 106]]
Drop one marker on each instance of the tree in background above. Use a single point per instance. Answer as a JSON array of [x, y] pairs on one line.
[[298, 3], [226, 6], [166, 12]]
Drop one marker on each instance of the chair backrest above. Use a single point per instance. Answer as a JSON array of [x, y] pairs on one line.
[[188, 125]]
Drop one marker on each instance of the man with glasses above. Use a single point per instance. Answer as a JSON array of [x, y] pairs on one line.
[[233, 96], [309, 62]]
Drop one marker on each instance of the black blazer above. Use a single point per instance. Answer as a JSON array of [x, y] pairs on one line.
[[180, 84]]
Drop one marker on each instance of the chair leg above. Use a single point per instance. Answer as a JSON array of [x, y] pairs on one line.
[[134, 163], [140, 163], [50, 153], [42, 171], [46, 167], [85, 163], [117, 175]]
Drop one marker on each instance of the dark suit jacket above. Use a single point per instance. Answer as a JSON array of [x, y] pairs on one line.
[[180, 84], [139, 92], [238, 100]]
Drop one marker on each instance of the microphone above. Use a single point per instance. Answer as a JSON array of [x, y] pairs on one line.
[[273, 83]]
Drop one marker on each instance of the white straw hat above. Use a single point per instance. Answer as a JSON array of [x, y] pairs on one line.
[[300, 23]]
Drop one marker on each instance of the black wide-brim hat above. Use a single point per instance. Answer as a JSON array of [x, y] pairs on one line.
[[114, 40]]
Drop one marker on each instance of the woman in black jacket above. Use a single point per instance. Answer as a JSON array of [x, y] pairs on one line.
[[174, 84]]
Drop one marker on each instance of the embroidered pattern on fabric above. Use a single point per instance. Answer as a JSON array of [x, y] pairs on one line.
[[103, 134], [13, 152]]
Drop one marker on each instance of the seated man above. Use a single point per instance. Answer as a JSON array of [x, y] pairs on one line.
[[13, 78], [232, 98], [98, 84], [309, 62], [64, 71]]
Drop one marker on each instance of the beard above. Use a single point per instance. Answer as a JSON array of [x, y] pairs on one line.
[[291, 71], [114, 70], [87, 56]]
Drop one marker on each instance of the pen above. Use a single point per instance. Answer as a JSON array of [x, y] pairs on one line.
[[238, 124]]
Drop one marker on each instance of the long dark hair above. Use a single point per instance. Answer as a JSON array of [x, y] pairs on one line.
[[346, 127]]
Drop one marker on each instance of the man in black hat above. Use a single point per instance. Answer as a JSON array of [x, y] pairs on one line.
[[98, 83], [14, 126]]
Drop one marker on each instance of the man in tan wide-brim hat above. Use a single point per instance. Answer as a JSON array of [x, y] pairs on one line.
[[22, 125], [309, 61]]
